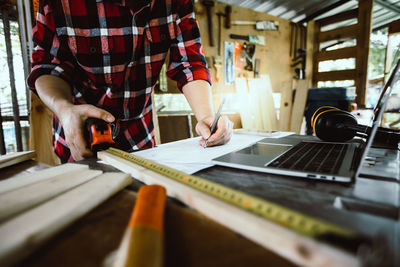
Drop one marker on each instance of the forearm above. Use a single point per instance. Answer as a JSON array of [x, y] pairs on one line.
[[198, 94], [54, 92]]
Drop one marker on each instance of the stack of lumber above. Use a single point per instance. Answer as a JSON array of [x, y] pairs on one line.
[[16, 157], [36, 206]]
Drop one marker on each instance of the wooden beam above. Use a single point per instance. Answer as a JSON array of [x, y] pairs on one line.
[[14, 97], [310, 52], [388, 6], [339, 33], [347, 52], [30, 178], [41, 132], [323, 10], [157, 137], [19, 200], [299, 106], [16, 157], [274, 237], [2, 142], [349, 14], [21, 235], [394, 27], [285, 110], [363, 41], [316, 49], [337, 75]]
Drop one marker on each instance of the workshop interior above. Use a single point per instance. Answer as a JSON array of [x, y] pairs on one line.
[[310, 176]]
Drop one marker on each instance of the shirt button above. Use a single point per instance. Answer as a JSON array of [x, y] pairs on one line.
[[163, 37], [92, 49]]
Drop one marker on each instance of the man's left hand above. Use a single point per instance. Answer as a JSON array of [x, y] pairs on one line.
[[222, 134]]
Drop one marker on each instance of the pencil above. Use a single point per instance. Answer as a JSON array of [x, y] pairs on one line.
[[142, 244], [214, 124]]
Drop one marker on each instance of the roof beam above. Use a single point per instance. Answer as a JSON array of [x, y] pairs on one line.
[[322, 11], [388, 6]]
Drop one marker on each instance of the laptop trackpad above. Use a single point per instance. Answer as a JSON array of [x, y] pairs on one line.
[[267, 151]]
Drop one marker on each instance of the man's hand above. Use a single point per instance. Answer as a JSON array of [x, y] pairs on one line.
[[221, 136], [72, 118], [56, 94]]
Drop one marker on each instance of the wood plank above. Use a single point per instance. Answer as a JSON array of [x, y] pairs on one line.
[[285, 110], [41, 132], [274, 237], [19, 200], [337, 75], [299, 106], [363, 42], [347, 52], [339, 33], [23, 234], [316, 49], [242, 90], [157, 136], [31, 178], [394, 27], [15, 157], [310, 52], [349, 14], [264, 113]]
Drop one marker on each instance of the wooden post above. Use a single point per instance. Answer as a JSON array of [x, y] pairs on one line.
[[17, 125], [2, 143], [317, 29], [310, 52], [363, 41], [157, 136], [24, 47], [41, 132]]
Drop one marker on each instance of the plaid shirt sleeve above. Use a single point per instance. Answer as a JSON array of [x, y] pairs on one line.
[[187, 60], [49, 56]]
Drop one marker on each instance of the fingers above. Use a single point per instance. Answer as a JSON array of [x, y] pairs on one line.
[[73, 123], [76, 142], [222, 134], [95, 112]]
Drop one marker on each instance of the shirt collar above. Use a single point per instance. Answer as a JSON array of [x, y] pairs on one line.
[[135, 5]]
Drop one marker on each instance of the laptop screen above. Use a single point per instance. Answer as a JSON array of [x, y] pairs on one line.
[[379, 110]]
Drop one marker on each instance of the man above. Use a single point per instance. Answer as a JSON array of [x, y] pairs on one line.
[[102, 59]]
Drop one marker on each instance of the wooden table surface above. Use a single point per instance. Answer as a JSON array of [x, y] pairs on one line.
[[190, 238]]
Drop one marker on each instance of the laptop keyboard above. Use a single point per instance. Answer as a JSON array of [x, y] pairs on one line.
[[312, 156]]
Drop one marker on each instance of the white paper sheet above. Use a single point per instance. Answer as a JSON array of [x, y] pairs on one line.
[[189, 157]]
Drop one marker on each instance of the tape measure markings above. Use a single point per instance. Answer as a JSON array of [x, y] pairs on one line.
[[286, 217]]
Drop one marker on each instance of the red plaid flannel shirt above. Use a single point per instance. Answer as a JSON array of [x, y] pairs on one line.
[[111, 53]]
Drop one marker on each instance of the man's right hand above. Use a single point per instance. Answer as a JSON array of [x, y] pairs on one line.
[[72, 118], [56, 94]]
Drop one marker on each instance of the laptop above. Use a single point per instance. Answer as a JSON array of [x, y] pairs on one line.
[[305, 157]]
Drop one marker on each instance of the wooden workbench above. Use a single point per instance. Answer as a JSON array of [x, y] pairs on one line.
[[368, 206], [190, 238]]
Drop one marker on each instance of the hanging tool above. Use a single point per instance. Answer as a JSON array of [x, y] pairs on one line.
[[217, 66], [209, 4], [244, 53], [220, 18], [228, 12], [255, 39], [262, 25], [98, 134], [298, 50]]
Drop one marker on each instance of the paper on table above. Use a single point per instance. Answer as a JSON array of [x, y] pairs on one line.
[[189, 157]]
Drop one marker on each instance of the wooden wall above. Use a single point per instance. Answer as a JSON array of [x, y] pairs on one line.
[[274, 57]]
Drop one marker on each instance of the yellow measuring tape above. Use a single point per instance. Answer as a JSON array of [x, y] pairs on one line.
[[288, 218]]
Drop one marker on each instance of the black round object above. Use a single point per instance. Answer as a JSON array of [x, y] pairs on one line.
[[332, 125]]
